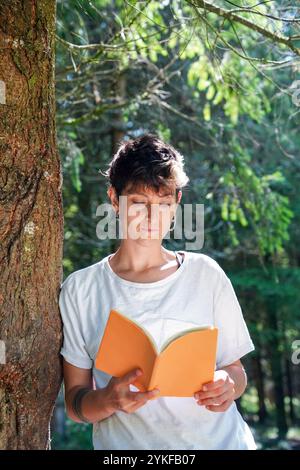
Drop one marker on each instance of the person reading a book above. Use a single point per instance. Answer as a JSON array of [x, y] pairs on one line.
[[165, 292]]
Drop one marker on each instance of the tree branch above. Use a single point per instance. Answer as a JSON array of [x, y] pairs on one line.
[[230, 15]]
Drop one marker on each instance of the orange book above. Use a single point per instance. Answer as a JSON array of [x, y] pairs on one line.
[[184, 363]]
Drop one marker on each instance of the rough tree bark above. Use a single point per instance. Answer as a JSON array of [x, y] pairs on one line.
[[31, 225]]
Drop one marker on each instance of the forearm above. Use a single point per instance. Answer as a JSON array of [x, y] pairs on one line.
[[93, 405], [239, 376]]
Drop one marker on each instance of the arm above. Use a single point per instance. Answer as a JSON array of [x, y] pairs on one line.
[[96, 405], [229, 384], [83, 402], [92, 403], [238, 374]]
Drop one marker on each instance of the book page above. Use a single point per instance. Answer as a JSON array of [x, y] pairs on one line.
[[182, 333]]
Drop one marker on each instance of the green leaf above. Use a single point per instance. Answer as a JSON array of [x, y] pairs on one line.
[[210, 92], [206, 112]]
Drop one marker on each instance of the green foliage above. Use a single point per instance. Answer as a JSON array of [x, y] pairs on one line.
[[78, 436], [230, 84], [72, 157], [250, 200]]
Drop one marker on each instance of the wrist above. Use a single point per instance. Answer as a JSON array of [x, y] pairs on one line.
[[238, 380], [88, 405], [103, 402], [77, 403]]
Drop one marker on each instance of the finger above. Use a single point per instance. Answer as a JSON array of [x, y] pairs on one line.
[[130, 377], [218, 400], [132, 406], [213, 384], [133, 400], [222, 407], [141, 396], [211, 393]]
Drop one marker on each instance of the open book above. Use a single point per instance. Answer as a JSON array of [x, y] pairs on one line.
[[184, 363]]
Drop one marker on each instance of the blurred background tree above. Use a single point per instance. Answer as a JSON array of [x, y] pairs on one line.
[[218, 80]]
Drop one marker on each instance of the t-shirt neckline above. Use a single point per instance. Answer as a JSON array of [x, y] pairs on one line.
[[146, 285]]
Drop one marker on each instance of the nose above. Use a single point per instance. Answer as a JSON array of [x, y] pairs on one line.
[[152, 206], [151, 216]]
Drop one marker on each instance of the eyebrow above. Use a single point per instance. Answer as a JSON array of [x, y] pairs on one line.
[[144, 194]]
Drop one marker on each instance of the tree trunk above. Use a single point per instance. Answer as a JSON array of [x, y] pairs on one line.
[[290, 390], [276, 366], [31, 225], [259, 383]]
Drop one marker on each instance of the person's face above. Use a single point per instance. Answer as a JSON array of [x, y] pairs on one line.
[[147, 214]]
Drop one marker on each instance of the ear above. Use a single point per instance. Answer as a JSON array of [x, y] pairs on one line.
[[111, 192], [179, 196]]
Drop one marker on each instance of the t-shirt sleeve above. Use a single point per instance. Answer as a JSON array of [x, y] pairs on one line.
[[234, 340], [74, 347]]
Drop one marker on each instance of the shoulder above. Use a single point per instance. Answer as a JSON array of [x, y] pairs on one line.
[[205, 270], [82, 278], [207, 265]]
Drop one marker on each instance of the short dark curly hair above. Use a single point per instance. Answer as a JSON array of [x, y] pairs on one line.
[[146, 162]]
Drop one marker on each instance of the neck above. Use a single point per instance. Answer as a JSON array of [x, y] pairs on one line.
[[136, 257]]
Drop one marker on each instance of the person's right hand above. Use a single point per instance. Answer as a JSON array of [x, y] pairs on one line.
[[119, 397]]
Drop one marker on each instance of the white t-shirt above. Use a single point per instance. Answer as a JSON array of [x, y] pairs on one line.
[[197, 293]]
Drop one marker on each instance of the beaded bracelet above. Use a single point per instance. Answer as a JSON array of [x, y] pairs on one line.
[[76, 404]]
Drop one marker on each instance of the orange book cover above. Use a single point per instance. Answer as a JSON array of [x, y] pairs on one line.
[[184, 363]]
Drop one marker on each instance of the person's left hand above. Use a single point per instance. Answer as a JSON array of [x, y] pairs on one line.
[[218, 394]]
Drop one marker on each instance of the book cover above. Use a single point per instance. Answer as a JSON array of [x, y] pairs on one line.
[[185, 361]]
